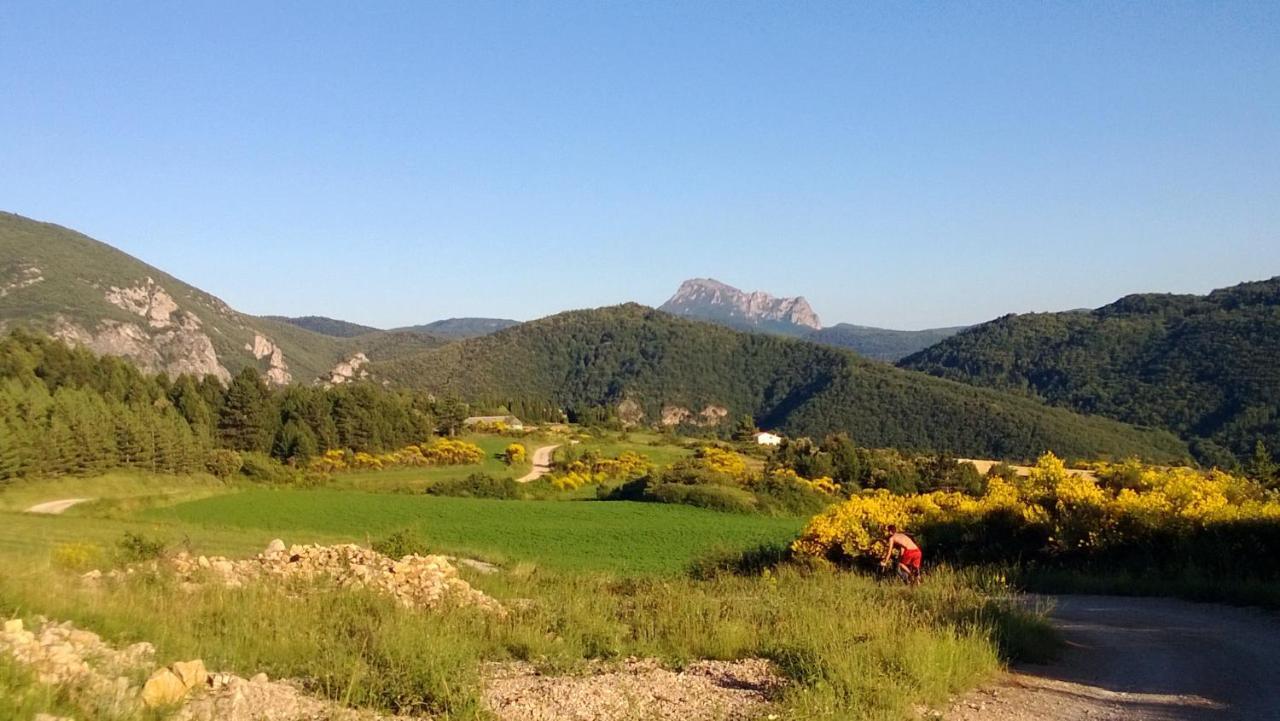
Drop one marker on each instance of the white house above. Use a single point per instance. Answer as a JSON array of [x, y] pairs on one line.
[[766, 438]]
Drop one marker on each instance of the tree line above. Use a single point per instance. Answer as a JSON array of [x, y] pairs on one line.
[[65, 411]]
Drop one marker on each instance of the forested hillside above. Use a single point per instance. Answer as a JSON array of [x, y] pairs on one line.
[[648, 366], [883, 344], [457, 328], [1203, 366], [66, 411], [326, 326]]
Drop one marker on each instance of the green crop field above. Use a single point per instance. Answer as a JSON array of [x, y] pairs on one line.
[[588, 535]]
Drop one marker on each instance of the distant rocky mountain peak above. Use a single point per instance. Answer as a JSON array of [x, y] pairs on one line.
[[709, 299]]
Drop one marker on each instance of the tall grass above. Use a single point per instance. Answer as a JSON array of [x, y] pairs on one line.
[[852, 647]]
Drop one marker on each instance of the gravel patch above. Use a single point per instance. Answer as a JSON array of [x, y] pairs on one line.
[[635, 689]]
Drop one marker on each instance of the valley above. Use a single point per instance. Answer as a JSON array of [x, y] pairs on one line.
[[480, 518]]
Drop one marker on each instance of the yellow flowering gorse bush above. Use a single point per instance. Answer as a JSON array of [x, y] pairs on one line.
[[438, 452], [600, 469], [1061, 511]]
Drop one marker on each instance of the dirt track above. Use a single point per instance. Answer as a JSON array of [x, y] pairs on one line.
[[541, 464], [1144, 659], [56, 507]]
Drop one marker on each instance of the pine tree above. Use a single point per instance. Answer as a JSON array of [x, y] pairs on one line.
[[1262, 468], [242, 422]]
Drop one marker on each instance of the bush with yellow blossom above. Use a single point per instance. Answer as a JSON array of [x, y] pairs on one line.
[[1119, 516]]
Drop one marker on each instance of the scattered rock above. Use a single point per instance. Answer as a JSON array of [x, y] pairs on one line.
[[88, 673], [164, 688], [421, 582], [192, 673], [638, 689]]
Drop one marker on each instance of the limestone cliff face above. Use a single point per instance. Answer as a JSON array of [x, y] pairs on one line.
[[57, 281], [166, 339], [708, 299]]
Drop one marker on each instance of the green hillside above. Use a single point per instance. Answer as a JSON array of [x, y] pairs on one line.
[[883, 344], [459, 328], [57, 281], [645, 365], [326, 326], [1203, 366]]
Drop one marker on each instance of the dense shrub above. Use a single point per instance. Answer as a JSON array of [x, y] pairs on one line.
[[578, 470], [264, 469], [399, 544], [1174, 519], [476, 485], [135, 548], [716, 498], [224, 463]]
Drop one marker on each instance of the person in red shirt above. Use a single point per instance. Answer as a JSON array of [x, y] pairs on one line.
[[909, 561]]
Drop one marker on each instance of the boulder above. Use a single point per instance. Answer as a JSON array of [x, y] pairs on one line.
[[164, 688], [192, 673]]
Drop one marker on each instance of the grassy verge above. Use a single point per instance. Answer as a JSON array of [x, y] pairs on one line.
[[851, 646]]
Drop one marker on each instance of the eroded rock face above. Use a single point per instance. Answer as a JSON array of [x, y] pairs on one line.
[[675, 415], [178, 349], [167, 339], [350, 369], [277, 370], [710, 416], [630, 412], [24, 276], [712, 300], [152, 302]]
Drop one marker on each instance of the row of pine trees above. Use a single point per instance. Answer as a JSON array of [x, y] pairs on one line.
[[65, 411]]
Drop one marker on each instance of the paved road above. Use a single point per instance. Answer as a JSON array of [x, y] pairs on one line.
[[541, 464], [56, 507], [1144, 659]]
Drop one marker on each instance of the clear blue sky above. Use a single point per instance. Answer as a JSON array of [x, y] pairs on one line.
[[898, 164]]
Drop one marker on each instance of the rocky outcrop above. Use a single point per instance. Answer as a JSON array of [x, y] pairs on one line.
[[277, 372], [167, 339], [24, 276], [708, 417], [708, 299], [349, 370], [152, 302], [181, 348], [630, 412]]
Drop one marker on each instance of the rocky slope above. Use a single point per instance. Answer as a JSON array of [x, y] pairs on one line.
[[709, 299], [88, 293]]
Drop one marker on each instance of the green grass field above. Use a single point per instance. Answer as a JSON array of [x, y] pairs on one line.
[[597, 580], [620, 537]]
